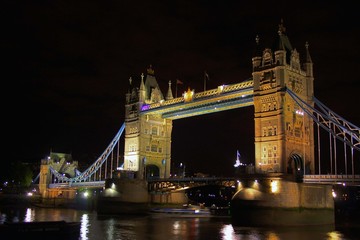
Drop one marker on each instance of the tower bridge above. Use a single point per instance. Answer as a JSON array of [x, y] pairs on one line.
[[289, 125]]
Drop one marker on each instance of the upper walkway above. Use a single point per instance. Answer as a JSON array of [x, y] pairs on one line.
[[224, 97], [176, 183]]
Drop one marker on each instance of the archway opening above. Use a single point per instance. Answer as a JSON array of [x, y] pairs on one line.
[[296, 167], [152, 171]]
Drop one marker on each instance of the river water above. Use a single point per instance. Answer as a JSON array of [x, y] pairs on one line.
[[160, 227]]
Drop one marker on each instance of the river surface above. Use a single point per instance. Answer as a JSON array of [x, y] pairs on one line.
[[160, 227]]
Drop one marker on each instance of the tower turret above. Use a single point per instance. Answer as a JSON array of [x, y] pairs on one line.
[[169, 94], [283, 142]]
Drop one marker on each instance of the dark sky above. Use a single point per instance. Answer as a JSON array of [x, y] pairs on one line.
[[67, 65]]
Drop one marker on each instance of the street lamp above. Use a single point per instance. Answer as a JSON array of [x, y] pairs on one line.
[[183, 167]]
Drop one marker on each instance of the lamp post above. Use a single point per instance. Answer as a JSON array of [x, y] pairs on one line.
[[144, 163], [301, 113], [164, 163], [183, 167]]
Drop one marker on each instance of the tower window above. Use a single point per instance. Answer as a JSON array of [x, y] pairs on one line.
[[264, 132], [154, 131], [131, 148], [153, 148]]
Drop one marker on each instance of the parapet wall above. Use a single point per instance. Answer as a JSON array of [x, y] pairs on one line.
[[299, 195]]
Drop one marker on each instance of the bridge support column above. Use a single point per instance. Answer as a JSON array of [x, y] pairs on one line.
[[274, 201], [45, 177]]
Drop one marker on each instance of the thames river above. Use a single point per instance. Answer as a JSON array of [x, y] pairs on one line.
[[160, 227]]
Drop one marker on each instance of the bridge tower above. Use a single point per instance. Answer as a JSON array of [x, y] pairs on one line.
[[284, 135], [147, 150]]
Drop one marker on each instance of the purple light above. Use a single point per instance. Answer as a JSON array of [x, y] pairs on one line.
[[145, 107]]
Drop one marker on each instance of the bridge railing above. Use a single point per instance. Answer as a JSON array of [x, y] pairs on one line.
[[331, 178]]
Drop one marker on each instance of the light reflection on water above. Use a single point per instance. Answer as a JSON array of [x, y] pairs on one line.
[[94, 227], [84, 228]]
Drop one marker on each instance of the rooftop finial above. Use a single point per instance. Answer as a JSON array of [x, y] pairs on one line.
[[282, 29], [257, 39], [150, 70]]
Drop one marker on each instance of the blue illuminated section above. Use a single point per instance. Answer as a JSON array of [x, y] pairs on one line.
[[145, 107]]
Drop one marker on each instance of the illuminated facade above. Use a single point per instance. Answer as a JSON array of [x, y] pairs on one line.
[[147, 150], [284, 140]]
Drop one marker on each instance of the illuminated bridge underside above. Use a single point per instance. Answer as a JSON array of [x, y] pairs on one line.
[[215, 100]]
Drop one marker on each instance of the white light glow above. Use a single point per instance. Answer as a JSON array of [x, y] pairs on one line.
[[274, 186], [333, 193]]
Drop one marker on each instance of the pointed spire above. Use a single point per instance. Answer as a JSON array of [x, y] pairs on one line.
[[142, 91], [282, 29], [169, 94], [257, 50], [150, 71], [308, 57], [282, 41], [130, 84], [142, 85], [308, 65]]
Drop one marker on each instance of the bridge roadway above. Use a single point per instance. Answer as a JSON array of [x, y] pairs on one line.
[[176, 183]]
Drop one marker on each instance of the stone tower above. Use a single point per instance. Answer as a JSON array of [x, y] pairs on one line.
[[284, 139], [147, 150]]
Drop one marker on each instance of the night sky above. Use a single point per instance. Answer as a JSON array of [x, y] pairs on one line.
[[67, 64]]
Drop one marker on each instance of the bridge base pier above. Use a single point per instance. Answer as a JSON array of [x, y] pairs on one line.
[[132, 196], [270, 201], [178, 197]]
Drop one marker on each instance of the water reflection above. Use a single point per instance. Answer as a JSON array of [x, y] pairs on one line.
[[84, 228], [29, 215], [228, 232], [94, 227]]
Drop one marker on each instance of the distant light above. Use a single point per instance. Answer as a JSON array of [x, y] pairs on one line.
[[29, 194], [333, 193], [86, 194], [299, 112]]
